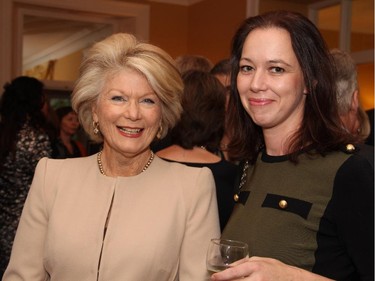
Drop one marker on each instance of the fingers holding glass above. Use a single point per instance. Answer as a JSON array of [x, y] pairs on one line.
[[222, 253]]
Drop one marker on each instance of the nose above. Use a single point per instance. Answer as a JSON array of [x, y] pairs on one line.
[[132, 110], [258, 81]]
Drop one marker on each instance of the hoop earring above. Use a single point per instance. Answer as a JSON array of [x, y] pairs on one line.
[[96, 127]]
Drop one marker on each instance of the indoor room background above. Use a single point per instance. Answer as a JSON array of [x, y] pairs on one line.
[[47, 38]]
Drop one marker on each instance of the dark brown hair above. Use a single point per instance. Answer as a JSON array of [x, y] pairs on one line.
[[320, 128], [21, 102], [202, 119]]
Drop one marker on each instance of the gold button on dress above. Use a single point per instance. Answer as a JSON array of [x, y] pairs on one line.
[[283, 204]]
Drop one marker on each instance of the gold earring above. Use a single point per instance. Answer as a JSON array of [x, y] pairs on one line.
[[96, 127]]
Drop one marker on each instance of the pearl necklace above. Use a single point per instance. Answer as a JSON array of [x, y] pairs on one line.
[[100, 165]]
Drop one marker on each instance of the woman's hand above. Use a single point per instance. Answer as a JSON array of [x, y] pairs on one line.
[[264, 269]]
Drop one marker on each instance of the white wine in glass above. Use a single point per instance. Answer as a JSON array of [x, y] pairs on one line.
[[222, 253]]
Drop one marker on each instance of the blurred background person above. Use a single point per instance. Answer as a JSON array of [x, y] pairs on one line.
[[222, 70], [23, 141], [196, 137], [352, 115], [52, 123], [123, 213], [187, 63], [184, 63], [66, 145], [370, 139]]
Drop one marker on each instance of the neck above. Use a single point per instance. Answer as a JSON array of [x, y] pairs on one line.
[[276, 144], [65, 137], [121, 166]]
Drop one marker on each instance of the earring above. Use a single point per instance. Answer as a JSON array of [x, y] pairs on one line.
[[96, 127], [158, 135]]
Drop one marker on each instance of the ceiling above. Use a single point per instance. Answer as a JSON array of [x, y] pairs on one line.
[[48, 38], [191, 2], [176, 2], [362, 22]]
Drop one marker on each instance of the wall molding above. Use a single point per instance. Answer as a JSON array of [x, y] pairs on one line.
[[178, 2], [126, 17]]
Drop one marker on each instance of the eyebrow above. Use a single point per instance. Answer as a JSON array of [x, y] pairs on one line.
[[129, 92], [269, 61], [280, 61], [246, 59]]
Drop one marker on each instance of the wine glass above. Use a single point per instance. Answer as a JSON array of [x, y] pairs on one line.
[[222, 253]]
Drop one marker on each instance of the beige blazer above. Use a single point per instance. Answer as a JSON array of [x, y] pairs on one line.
[[160, 224]]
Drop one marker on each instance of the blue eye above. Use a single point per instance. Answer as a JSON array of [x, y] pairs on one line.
[[117, 98], [149, 101]]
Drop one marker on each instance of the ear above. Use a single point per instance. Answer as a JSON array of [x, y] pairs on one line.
[[355, 102], [94, 113], [305, 90]]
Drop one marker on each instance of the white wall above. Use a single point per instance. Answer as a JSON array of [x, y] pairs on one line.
[[124, 16]]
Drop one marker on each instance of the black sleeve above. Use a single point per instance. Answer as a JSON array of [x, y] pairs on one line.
[[353, 201]]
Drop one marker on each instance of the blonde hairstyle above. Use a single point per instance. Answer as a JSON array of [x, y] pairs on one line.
[[115, 53]]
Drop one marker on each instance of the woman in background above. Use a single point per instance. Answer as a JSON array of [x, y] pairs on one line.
[[65, 146], [196, 137], [23, 142], [222, 71]]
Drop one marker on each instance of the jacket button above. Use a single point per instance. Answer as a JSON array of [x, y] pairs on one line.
[[236, 197], [283, 204], [350, 148]]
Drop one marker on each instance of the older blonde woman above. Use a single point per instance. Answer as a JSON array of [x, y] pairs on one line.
[[124, 213]]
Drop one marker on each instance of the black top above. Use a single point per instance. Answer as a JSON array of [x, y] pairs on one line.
[[370, 139], [225, 174], [59, 150], [15, 181]]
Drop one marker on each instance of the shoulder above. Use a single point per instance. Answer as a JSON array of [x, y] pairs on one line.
[[353, 188], [361, 156], [229, 165], [195, 155], [182, 176], [356, 174], [56, 174], [168, 167], [365, 153], [192, 187], [71, 166], [224, 170]]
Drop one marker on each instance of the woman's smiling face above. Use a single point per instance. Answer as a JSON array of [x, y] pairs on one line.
[[129, 112], [270, 81]]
